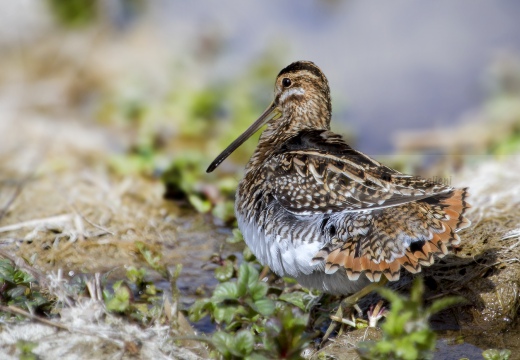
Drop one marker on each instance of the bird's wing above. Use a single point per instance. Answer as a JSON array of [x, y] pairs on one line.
[[375, 220], [382, 241], [316, 172]]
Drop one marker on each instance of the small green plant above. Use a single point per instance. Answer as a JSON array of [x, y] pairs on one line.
[[254, 320], [119, 301], [236, 238], [496, 354], [234, 346], [182, 181], [134, 296], [26, 350], [138, 297], [406, 332], [74, 13], [286, 335], [284, 338], [234, 304], [152, 258], [17, 288]]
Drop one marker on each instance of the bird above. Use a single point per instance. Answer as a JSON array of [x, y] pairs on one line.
[[313, 208]]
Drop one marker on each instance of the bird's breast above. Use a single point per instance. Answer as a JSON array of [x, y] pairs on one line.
[[278, 238]]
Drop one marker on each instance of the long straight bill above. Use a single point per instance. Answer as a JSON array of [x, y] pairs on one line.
[[268, 114]]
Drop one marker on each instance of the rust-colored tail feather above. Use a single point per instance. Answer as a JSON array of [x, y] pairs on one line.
[[381, 252]]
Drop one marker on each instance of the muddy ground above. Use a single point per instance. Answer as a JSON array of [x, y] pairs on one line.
[[63, 208]]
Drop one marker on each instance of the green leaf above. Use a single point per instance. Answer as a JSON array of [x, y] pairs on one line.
[[406, 351], [235, 324], [224, 210], [223, 342], [236, 238], [390, 295], [289, 281], [199, 309], [445, 303], [120, 302], [296, 298], [225, 272], [423, 339], [264, 306], [226, 313], [496, 354], [258, 290], [406, 334], [244, 343], [248, 255], [26, 348], [152, 258], [202, 206], [17, 291], [37, 301], [247, 276], [225, 291], [135, 275], [21, 277], [150, 289], [256, 356], [228, 185], [395, 323], [383, 347], [6, 270]]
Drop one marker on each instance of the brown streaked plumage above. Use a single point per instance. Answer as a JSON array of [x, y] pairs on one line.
[[313, 208]]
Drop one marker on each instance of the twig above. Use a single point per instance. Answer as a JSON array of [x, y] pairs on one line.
[[99, 289], [94, 288], [514, 245], [52, 219], [511, 234], [5, 241], [16, 193], [80, 228], [19, 187], [80, 216], [263, 273], [446, 293], [344, 321], [17, 311], [105, 230]]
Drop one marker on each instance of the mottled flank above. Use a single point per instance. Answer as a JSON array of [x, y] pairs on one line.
[[313, 208]]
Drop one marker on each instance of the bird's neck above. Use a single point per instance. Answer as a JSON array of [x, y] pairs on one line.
[[286, 127]]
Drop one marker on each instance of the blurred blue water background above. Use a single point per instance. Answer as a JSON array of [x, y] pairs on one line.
[[391, 65]]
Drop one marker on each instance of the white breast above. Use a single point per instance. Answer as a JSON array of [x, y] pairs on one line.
[[286, 257]]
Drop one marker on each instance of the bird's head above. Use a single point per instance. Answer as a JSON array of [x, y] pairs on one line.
[[302, 101]]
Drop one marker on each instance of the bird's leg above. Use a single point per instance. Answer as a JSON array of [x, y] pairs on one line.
[[264, 272], [351, 301]]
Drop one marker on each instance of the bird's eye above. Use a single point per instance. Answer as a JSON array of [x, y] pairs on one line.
[[286, 82]]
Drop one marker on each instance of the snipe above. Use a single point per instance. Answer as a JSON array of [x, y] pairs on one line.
[[312, 208]]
